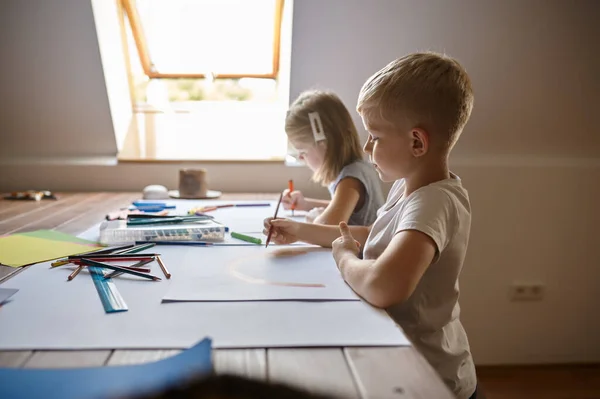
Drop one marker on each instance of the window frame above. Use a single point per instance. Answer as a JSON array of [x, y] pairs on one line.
[[129, 11]]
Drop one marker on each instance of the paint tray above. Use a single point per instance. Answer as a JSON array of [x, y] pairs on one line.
[[116, 232]]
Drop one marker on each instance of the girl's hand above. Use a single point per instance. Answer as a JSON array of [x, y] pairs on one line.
[[285, 231], [345, 245], [294, 198]]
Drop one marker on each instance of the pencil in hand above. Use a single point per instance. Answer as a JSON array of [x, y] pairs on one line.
[[274, 217], [291, 189]]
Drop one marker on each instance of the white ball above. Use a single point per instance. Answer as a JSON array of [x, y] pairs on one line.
[[156, 191]]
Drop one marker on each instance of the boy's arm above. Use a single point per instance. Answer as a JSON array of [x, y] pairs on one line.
[[391, 278], [346, 197], [286, 231]]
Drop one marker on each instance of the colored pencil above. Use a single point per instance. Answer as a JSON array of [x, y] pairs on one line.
[[206, 209], [104, 250], [75, 273], [114, 256], [111, 259], [80, 268], [242, 205], [173, 220], [274, 217], [198, 211], [244, 237], [135, 265], [123, 248], [163, 267], [90, 262], [139, 247], [143, 203], [136, 269]]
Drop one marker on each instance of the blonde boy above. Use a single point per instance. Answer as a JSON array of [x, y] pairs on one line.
[[414, 109]]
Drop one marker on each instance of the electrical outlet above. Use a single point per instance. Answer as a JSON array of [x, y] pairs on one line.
[[527, 291]]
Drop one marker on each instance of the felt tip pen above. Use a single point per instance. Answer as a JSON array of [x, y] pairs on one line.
[[244, 237]]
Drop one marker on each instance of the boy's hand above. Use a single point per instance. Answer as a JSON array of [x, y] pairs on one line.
[[344, 245], [285, 231], [296, 198]]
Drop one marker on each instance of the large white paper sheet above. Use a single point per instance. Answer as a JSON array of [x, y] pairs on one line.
[[243, 273], [51, 313]]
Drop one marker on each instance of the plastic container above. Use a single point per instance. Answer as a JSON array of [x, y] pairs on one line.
[[116, 232]]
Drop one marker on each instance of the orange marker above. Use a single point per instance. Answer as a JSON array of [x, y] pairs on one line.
[[291, 189]]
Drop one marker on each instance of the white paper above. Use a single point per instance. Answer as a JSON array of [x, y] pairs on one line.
[[51, 313], [253, 273]]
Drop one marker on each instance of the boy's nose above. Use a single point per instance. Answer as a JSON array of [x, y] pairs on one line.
[[368, 146]]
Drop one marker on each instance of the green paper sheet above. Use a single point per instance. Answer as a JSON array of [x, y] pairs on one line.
[[21, 249], [56, 235]]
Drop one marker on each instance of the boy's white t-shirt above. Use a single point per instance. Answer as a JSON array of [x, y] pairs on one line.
[[430, 317]]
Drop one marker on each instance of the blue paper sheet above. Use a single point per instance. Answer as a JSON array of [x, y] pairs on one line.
[[106, 382]]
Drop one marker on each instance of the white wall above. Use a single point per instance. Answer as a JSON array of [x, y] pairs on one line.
[[54, 100], [530, 155], [113, 58]]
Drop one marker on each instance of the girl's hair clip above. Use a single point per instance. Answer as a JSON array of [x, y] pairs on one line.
[[316, 126]]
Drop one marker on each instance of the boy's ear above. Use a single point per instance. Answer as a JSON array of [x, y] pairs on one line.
[[419, 142]]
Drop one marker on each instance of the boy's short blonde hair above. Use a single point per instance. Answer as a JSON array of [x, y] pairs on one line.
[[429, 90], [342, 141]]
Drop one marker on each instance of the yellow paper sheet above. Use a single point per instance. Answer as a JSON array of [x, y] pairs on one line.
[[20, 250]]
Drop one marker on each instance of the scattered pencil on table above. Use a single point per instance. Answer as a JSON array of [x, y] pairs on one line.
[[139, 247], [290, 190], [90, 262], [244, 237], [137, 266], [75, 273], [135, 269], [114, 256], [274, 217], [104, 250], [163, 267], [110, 259]]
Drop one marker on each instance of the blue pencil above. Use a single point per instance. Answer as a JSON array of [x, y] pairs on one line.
[[151, 204]]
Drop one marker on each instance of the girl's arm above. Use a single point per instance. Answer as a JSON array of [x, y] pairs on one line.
[[347, 196], [296, 199]]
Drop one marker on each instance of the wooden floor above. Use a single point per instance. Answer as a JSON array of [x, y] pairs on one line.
[[540, 382]]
